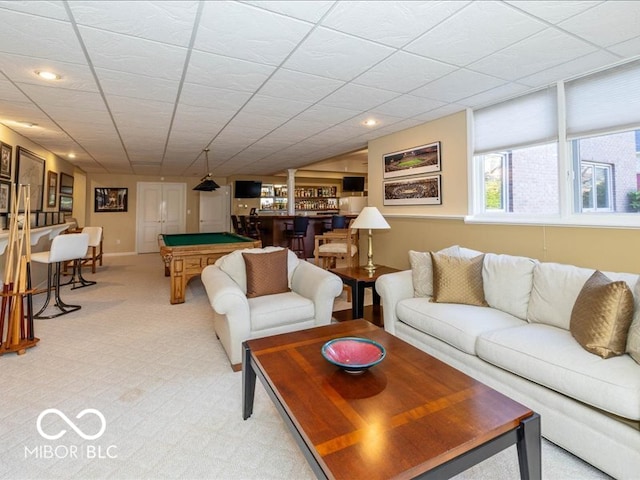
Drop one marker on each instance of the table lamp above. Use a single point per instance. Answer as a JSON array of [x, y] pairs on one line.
[[370, 218]]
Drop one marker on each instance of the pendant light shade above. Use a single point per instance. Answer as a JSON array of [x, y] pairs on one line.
[[206, 183]]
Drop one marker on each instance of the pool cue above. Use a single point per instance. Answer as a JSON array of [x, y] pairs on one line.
[[7, 288], [29, 317], [15, 316]]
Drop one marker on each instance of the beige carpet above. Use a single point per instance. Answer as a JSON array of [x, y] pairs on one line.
[[171, 404]]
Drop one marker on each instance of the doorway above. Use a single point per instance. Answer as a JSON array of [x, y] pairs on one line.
[[161, 208]]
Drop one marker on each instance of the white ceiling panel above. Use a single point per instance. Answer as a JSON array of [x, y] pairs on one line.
[[491, 25], [379, 21], [266, 37], [271, 85], [336, 55], [166, 22]]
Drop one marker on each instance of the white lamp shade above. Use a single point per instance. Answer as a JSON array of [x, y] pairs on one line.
[[371, 218]]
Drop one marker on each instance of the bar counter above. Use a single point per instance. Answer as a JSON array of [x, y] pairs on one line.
[[272, 228]]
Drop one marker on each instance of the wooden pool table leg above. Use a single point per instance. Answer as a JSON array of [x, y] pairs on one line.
[[178, 281]]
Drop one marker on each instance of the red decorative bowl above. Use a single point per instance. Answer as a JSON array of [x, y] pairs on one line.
[[353, 354]]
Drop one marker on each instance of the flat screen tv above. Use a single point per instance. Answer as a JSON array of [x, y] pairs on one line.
[[353, 184], [247, 189]]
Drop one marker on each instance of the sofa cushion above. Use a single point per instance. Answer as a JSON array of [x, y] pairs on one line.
[[508, 281], [601, 316], [266, 273], [458, 325], [457, 279], [233, 264], [422, 267], [633, 337], [551, 357], [280, 309], [555, 290]]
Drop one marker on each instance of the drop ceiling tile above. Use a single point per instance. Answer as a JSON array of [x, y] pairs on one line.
[[9, 93], [406, 105], [48, 9], [230, 73], [379, 21], [324, 115], [544, 50], [243, 31], [47, 96], [113, 51], [220, 99], [457, 85], [281, 108], [478, 30], [190, 118], [553, 11], [358, 97], [302, 10], [586, 63], [628, 49], [495, 95], [607, 23], [448, 109], [299, 86], [335, 55], [164, 21], [137, 86], [416, 71], [52, 39], [74, 76]]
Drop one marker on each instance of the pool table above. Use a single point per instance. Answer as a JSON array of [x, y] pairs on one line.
[[186, 254]]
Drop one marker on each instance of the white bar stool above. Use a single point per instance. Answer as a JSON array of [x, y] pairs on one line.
[[91, 257], [64, 248]]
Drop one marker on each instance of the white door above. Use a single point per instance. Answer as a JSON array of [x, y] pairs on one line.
[[160, 209], [215, 210]]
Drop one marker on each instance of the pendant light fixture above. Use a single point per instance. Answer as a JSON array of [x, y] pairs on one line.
[[206, 183]]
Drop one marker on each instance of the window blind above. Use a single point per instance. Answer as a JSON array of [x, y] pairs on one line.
[[604, 101], [527, 120]]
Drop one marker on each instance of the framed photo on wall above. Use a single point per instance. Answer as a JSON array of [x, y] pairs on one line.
[[30, 171], [52, 189], [413, 161], [5, 196], [110, 199], [413, 191], [5, 160]]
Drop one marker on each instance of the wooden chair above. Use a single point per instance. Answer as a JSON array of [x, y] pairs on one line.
[[340, 243]]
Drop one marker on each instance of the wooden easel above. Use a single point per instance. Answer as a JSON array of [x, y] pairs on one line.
[[16, 309]]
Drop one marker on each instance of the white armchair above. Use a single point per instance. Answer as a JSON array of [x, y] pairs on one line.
[[238, 318]]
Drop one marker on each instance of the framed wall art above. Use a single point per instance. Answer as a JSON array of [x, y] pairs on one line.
[[30, 171], [414, 161], [111, 199], [5, 196], [5, 160], [52, 189], [413, 191]]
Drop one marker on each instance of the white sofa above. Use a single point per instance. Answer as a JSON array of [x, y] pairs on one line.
[[238, 318], [521, 346]]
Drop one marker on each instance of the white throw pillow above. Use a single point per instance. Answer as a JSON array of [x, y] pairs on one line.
[[507, 283], [422, 268], [233, 264]]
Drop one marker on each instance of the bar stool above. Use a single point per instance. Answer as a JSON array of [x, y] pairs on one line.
[[297, 235], [64, 248]]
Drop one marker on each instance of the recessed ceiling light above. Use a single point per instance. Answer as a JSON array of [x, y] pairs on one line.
[[28, 124], [48, 75], [72, 155], [369, 123]]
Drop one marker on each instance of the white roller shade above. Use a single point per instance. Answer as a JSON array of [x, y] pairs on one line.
[[527, 120], [604, 101]]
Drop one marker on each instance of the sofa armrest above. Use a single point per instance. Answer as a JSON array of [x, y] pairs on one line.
[[393, 287], [319, 286]]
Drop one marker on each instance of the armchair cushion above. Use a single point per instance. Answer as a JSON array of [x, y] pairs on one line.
[[234, 266], [272, 311], [266, 273]]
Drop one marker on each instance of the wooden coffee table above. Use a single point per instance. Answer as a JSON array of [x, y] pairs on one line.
[[409, 416]]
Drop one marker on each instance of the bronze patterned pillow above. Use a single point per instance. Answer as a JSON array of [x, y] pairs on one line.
[[458, 280], [266, 273], [601, 316]]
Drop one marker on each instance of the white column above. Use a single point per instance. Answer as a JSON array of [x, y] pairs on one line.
[[291, 185]]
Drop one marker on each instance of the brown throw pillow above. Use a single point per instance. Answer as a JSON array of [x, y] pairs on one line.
[[457, 280], [601, 316], [266, 273]]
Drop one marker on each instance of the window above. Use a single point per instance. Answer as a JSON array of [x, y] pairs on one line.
[[585, 171]]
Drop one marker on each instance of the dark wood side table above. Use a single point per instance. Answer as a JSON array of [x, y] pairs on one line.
[[358, 278]]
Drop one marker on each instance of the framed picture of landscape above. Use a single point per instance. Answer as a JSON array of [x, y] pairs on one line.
[[413, 161]]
